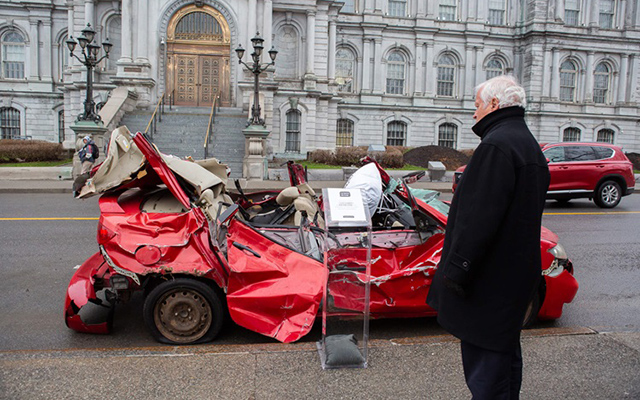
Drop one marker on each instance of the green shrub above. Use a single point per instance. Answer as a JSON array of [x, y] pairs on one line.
[[30, 150]]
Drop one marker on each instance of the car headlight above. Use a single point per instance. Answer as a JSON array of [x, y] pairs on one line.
[[559, 261]]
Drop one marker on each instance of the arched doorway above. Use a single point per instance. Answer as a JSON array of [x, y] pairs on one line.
[[198, 49]]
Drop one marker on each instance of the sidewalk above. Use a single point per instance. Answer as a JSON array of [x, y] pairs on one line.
[[58, 180], [559, 364]]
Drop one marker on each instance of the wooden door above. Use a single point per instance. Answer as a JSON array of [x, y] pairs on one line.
[[186, 80]]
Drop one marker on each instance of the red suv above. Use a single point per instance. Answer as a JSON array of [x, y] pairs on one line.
[[597, 171]]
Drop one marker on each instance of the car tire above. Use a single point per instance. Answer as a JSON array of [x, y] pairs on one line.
[[531, 315], [183, 311], [608, 194]]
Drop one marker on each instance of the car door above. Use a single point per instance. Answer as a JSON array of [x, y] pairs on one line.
[[581, 165], [272, 289]]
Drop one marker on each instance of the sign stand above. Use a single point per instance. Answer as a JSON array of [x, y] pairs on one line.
[[347, 257]]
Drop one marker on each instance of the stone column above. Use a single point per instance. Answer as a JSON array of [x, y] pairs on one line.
[[142, 32], [70, 30], [419, 80], [377, 65], [621, 14], [46, 51], [331, 68], [478, 75], [622, 87], [468, 72], [430, 70], [126, 35], [89, 13], [633, 75], [421, 10], [473, 10], [366, 66], [431, 9], [546, 73], [483, 9], [267, 24], [588, 87], [464, 10], [252, 23], [368, 6], [594, 16], [311, 42], [34, 61], [555, 74]]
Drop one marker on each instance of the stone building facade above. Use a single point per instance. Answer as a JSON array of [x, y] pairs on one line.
[[354, 72]]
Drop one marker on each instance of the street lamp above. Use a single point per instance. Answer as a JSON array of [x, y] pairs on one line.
[[89, 52], [257, 68]]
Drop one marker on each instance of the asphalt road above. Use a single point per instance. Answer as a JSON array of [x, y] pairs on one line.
[[37, 259]]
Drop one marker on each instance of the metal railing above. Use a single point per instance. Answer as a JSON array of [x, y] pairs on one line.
[[156, 117], [209, 134]]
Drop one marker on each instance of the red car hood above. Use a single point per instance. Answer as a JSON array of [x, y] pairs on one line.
[[546, 234]]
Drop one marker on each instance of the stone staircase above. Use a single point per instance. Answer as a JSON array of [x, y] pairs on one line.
[[183, 129]]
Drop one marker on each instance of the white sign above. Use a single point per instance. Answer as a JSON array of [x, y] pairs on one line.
[[346, 205]]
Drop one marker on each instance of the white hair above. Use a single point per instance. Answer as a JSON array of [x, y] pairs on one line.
[[505, 89]]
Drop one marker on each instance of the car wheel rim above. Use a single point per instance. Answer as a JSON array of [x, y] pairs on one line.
[[183, 315], [610, 194]]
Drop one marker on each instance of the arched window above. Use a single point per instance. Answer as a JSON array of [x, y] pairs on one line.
[[198, 26], [344, 132], [9, 123], [601, 82], [64, 57], [345, 70], [496, 11], [13, 55], [294, 118], [448, 10], [60, 126], [605, 136], [448, 135], [395, 73], [288, 58], [114, 34], [494, 68], [568, 74], [398, 8], [446, 75], [571, 135], [396, 133], [607, 13], [572, 12]]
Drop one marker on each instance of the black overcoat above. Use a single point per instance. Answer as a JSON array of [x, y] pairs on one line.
[[492, 241]]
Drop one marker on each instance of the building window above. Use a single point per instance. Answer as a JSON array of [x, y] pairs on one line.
[[572, 12], [571, 135], [607, 12], [496, 12], [448, 135], [396, 133], [395, 73], [345, 70], [494, 68], [446, 75], [605, 136], [398, 8], [13, 55], [9, 123], [344, 133], [293, 131], [601, 80], [60, 126], [349, 7], [568, 74], [114, 34], [447, 10]]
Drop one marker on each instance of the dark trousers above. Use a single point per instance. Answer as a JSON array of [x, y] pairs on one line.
[[492, 375]]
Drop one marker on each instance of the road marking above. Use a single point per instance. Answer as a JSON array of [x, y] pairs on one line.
[[52, 219], [595, 213]]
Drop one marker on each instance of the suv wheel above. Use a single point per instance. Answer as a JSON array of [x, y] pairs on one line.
[[608, 194]]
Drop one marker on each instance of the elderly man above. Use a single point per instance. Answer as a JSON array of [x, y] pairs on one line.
[[490, 264]]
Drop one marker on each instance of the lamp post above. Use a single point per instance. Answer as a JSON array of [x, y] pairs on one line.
[[89, 53], [256, 68]]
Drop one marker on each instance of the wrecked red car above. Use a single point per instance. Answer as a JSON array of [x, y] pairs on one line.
[[169, 228]]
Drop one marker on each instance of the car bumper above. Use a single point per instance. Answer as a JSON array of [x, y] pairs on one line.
[[561, 289], [84, 309]]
